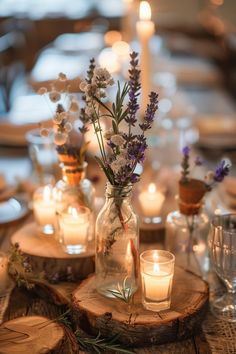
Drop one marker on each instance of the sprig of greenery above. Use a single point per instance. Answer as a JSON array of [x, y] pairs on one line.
[[96, 344], [100, 345], [123, 292]]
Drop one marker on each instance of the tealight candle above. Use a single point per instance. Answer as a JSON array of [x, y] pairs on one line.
[[151, 201], [157, 269], [145, 29], [44, 207], [74, 227]]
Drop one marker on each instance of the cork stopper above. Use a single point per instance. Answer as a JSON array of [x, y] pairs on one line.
[[72, 171]]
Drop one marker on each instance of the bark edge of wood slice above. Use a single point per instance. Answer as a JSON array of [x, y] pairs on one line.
[[46, 254], [140, 327]]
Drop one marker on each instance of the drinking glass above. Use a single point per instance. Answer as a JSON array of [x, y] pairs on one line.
[[222, 249], [42, 154]]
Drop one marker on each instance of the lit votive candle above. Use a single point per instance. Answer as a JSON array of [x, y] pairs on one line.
[[44, 207], [157, 269], [74, 227], [151, 201]]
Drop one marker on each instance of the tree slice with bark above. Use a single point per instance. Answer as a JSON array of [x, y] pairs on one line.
[[46, 254], [137, 326]]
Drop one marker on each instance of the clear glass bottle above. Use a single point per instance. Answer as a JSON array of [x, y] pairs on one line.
[[117, 242], [186, 237], [74, 188]]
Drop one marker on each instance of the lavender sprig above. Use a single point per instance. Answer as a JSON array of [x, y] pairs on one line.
[[222, 170], [185, 165], [121, 150]]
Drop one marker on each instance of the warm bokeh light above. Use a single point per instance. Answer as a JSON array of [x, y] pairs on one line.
[[111, 37], [217, 2]]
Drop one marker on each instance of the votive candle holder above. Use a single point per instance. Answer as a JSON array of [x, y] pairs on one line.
[[157, 270]]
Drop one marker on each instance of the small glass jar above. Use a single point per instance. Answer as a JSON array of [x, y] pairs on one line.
[[74, 188], [157, 270], [44, 208], [117, 242], [74, 227], [186, 237]]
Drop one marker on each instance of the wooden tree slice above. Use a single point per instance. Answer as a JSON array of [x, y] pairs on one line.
[[31, 334], [137, 326], [46, 254]]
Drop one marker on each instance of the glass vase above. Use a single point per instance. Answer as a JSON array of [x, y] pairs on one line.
[[186, 237], [117, 241], [75, 189]]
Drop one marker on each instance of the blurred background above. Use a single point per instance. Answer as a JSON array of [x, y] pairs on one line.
[[193, 68]]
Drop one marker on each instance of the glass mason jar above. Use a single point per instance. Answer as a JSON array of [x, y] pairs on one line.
[[74, 188], [117, 242], [186, 237]]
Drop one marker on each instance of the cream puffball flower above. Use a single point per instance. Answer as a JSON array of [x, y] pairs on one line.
[[118, 140], [60, 138], [42, 91], [54, 96]]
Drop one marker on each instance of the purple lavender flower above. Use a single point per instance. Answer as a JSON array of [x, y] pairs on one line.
[[136, 150], [134, 90], [186, 151], [150, 112], [199, 161], [222, 170]]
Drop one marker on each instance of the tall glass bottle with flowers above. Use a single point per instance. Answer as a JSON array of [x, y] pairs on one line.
[[187, 228], [74, 187], [117, 230]]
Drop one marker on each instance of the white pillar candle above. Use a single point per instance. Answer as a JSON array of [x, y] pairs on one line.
[[44, 206], [74, 226], [145, 30], [151, 201], [157, 269]]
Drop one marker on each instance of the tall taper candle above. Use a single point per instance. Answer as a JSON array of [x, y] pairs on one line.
[[145, 30]]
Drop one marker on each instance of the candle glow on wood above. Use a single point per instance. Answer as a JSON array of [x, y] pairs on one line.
[[151, 201], [145, 29], [4, 277]]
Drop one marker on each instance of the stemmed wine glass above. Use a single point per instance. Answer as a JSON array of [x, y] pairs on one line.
[[222, 249]]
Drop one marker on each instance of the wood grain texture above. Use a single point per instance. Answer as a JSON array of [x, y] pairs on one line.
[[46, 254], [137, 326], [31, 334]]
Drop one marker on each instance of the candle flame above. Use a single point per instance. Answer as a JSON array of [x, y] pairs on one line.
[[155, 256], [151, 188], [72, 211], [46, 193], [156, 268], [145, 12]]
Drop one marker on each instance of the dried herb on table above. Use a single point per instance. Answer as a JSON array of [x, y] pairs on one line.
[[21, 270]]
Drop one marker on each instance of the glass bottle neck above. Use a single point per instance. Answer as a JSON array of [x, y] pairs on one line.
[[118, 192]]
